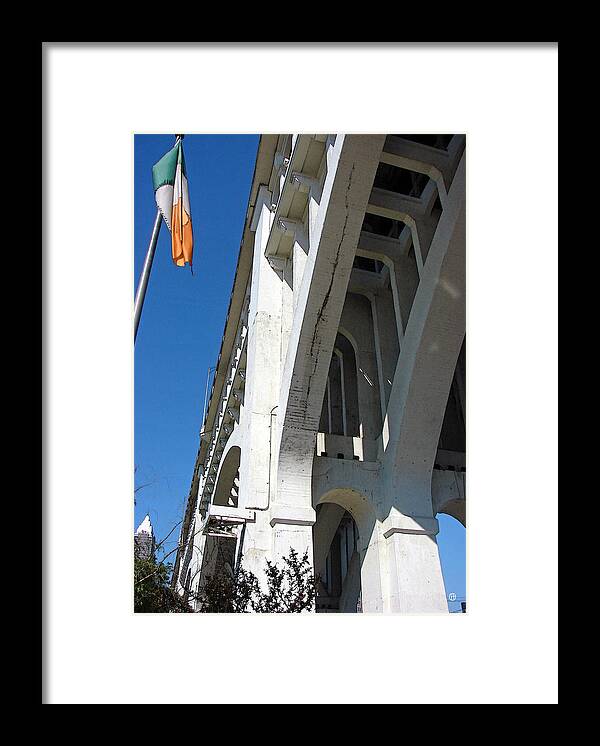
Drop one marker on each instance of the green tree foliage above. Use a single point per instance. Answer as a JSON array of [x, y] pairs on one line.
[[291, 588], [152, 592], [225, 594]]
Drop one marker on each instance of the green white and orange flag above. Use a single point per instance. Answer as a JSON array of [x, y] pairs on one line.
[[173, 199]]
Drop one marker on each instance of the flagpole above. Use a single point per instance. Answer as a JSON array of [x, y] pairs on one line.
[[147, 268], [145, 276]]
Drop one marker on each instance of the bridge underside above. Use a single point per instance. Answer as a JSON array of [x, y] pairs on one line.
[[337, 426]]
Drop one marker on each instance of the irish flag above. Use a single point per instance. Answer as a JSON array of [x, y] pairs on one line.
[[173, 199]]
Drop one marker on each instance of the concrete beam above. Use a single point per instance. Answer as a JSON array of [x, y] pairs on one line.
[[438, 164], [365, 283], [396, 206], [427, 360], [352, 162]]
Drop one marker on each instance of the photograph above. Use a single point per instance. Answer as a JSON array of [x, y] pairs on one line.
[[312, 288]]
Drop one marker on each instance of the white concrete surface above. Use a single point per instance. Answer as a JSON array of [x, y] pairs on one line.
[[333, 377]]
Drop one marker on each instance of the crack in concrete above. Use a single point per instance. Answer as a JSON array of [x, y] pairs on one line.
[[328, 293]]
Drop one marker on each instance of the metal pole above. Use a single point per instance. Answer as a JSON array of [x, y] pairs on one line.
[[145, 276]]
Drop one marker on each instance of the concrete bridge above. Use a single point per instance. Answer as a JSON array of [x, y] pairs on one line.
[[336, 420]]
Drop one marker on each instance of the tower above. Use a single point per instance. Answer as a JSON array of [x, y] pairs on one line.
[[144, 542]]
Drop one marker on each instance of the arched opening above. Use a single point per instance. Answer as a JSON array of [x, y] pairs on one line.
[[357, 317], [226, 490], [345, 557], [337, 560], [345, 350], [448, 491], [451, 541], [340, 413]]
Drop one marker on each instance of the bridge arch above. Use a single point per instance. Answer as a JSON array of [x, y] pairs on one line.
[[227, 484], [358, 505], [362, 588], [341, 535], [448, 494], [427, 361], [340, 413]]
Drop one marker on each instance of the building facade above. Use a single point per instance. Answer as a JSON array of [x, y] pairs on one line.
[[336, 418]]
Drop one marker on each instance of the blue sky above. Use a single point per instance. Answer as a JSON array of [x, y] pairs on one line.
[[182, 322]]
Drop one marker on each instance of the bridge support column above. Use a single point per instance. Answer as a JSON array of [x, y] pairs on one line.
[[292, 529], [414, 573], [263, 365], [372, 590]]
